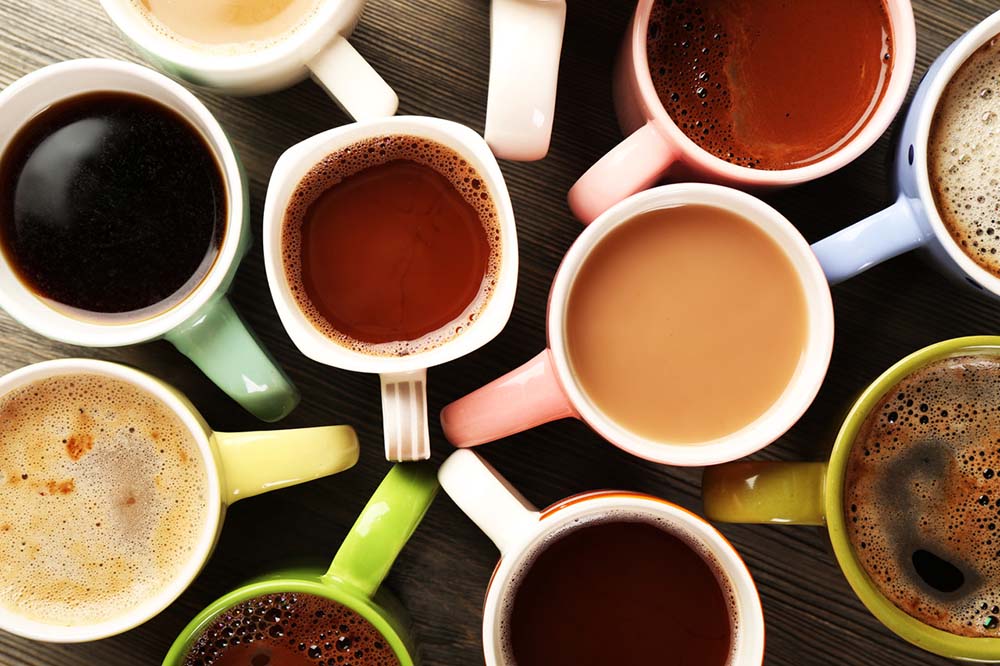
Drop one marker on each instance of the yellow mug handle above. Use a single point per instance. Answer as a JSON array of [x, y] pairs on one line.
[[766, 492]]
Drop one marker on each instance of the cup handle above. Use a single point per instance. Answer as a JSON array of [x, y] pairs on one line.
[[523, 398], [257, 462], [525, 46], [220, 343], [765, 492], [632, 166], [352, 82], [488, 499], [404, 416], [383, 528], [884, 235]]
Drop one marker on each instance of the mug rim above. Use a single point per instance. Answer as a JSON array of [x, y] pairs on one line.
[[293, 165], [30, 309], [802, 386], [751, 633], [899, 621], [214, 512], [903, 27]]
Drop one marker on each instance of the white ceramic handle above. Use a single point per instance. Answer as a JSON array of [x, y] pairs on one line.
[[352, 82], [526, 42], [404, 416], [488, 499]]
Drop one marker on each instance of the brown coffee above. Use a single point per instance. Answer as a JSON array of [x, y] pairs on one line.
[[922, 495], [391, 246]]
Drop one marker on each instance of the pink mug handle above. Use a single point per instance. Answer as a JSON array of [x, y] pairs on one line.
[[523, 398], [632, 166]]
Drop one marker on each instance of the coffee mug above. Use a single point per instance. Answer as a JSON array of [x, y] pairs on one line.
[[204, 326], [317, 48], [525, 47], [403, 377], [656, 146], [519, 530], [812, 493], [238, 465], [914, 220], [546, 388], [355, 577]]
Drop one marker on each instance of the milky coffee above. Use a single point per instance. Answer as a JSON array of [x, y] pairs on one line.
[[103, 494]]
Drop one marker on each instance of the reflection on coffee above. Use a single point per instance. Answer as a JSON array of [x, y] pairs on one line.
[[104, 498], [391, 246], [112, 205], [770, 84], [686, 324], [922, 495], [964, 157], [290, 630]]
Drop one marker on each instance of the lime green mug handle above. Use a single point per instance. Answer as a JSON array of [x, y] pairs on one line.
[[220, 343], [383, 528], [766, 492]]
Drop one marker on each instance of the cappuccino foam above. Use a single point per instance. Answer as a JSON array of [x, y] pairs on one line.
[[964, 157], [103, 498]]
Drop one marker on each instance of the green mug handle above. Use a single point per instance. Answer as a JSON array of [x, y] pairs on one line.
[[766, 492], [220, 343], [383, 528]]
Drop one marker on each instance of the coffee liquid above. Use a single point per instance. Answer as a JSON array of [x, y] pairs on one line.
[[686, 324], [770, 84], [103, 499], [963, 157], [391, 246], [111, 205], [238, 24], [290, 630], [922, 495], [622, 593]]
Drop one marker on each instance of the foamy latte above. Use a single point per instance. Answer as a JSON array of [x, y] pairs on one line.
[[103, 498]]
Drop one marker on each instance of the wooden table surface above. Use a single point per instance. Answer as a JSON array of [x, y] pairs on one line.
[[435, 54]]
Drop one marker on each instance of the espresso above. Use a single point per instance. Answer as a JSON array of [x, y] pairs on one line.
[[623, 593], [290, 630], [391, 246], [963, 157], [104, 498], [686, 324], [111, 205], [770, 84], [922, 495]]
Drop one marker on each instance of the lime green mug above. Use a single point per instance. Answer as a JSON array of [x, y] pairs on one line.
[[355, 577], [813, 494]]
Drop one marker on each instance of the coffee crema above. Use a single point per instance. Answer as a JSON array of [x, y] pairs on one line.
[[104, 499], [922, 495], [770, 84], [391, 246], [293, 629], [964, 157]]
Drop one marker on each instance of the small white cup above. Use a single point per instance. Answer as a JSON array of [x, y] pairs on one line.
[[404, 378], [318, 48]]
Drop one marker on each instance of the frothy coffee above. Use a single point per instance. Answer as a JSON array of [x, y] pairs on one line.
[[922, 495], [104, 498], [964, 156]]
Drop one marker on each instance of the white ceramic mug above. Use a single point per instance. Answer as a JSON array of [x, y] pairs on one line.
[[520, 531], [318, 48], [404, 378]]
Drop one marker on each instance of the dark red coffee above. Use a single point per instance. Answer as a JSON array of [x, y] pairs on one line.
[[290, 630]]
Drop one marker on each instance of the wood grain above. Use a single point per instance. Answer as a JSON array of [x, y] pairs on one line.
[[435, 54]]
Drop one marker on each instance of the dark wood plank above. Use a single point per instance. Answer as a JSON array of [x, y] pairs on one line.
[[435, 54]]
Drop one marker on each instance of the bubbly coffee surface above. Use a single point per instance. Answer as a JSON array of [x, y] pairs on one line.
[[103, 498], [290, 630], [964, 156], [922, 495]]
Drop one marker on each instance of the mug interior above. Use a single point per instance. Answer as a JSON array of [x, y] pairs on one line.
[[805, 380], [209, 530], [32, 94]]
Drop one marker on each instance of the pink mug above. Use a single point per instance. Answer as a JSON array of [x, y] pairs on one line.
[[656, 145]]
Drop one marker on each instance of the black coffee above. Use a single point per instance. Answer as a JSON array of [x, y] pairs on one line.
[[111, 203]]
